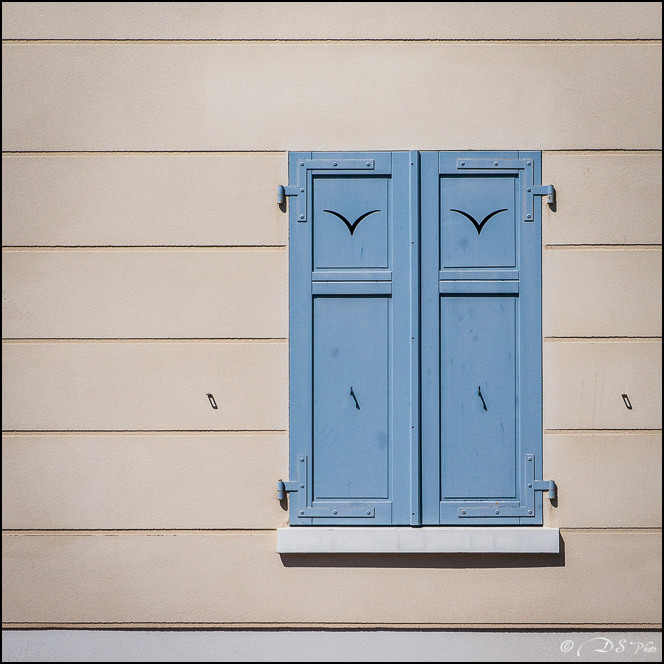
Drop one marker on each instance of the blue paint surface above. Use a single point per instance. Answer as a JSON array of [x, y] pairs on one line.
[[415, 338], [351, 432], [488, 199], [478, 397], [351, 197]]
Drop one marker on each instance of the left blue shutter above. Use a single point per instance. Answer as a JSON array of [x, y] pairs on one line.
[[352, 346]]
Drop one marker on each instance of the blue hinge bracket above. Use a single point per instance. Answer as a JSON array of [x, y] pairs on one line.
[[547, 190], [326, 510], [304, 168], [546, 485], [286, 487], [525, 508], [526, 165], [282, 192]]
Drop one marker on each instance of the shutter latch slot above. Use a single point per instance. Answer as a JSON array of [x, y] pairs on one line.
[[285, 487], [282, 192]]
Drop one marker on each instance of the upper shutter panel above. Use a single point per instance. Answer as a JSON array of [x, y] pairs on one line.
[[478, 223], [481, 339], [350, 383], [350, 217]]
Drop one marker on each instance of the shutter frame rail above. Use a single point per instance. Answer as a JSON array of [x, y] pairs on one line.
[[511, 509], [530, 190], [306, 165], [331, 510]]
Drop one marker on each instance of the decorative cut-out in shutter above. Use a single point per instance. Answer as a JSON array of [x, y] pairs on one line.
[[350, 221]]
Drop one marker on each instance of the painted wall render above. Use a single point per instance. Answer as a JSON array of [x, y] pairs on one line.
[[145, 265]]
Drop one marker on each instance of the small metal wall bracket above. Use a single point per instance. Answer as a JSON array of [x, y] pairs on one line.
[[282, 192], [326, 510], [285, 487], [524, 508], [546, 485], [547, 190], [526, 165], [304, 166]]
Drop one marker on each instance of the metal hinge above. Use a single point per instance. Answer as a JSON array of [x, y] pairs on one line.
[[544, 190], [327, 509], [546, 485], [304, 166], [286, 487], [282, 192], [507, 509], [526, 165]]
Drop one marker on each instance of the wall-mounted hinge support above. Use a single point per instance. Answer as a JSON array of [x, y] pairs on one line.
[[323, 166], [282, 192], [515, 165], [285, 487], [545, 190], [546, 485], [508, 509], [327, 509]]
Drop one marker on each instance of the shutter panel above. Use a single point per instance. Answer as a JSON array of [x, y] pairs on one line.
[[481, 338], [353, 373]]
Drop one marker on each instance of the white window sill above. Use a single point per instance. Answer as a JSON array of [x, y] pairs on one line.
[[321, 539]]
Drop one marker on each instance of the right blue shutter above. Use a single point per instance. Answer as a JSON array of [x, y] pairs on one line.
[[481, 338]]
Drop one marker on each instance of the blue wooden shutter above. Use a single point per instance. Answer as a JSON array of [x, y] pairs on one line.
[[353, 345], [481, 338]]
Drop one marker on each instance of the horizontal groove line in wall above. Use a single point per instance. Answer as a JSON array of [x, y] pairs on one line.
[[591, 432], [313, 149], [147, 247], [258, 247], [277, 340], [266, 340], [309, 40], [332, 626], [645, 247], [582, 151], [149, 432], [126, 152], [220, 531], [131, 531], [140, 340], [604, 338]]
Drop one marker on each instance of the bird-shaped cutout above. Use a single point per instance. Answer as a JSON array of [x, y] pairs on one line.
[[353, 226], [480, 226]]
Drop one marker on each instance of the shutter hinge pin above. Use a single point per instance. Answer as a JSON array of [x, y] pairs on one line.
[[285, 487], [546, 485], [282, 192], [547, 190]]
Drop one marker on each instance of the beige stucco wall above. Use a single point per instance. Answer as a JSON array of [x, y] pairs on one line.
[[145, 264]]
